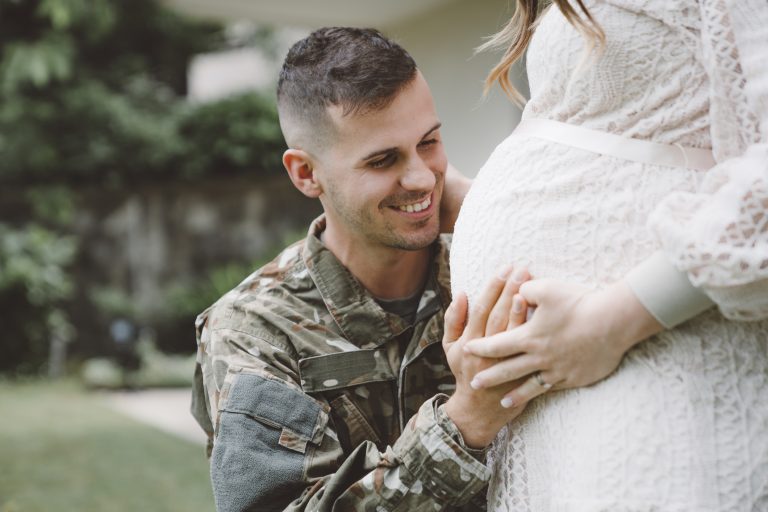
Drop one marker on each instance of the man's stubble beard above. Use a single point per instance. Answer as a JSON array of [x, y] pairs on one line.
[[362, 223]]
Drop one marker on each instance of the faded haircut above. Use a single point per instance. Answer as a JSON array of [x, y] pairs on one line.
[[357, 69]]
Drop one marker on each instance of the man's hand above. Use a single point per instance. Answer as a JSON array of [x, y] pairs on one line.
[[478, 414], [456, 187]]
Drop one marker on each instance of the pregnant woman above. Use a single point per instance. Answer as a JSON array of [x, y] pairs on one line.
[[636, 191]]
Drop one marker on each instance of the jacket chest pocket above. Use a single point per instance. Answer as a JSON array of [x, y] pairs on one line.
[[347, 379]]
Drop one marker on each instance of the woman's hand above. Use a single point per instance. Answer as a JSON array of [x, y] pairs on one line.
[[574, 338]]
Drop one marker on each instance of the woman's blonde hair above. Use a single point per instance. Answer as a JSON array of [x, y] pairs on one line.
[[516, 36]]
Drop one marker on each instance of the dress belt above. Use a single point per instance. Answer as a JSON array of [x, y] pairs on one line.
[[636, 150]]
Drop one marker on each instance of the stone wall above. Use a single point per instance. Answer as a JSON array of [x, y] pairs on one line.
[[155, 235], [138, 242]]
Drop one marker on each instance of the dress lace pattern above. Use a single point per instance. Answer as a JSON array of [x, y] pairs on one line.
[[682, 424]]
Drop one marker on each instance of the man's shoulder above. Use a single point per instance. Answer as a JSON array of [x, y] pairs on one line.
[[442, 261], [281, 289], [443, 244]]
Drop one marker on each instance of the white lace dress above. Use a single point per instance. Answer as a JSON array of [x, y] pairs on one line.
[[683, 423]]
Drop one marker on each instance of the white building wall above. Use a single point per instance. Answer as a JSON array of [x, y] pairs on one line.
[[212, 76]]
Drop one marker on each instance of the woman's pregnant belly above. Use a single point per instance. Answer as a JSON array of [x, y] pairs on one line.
[[563, 212], [663, 431]]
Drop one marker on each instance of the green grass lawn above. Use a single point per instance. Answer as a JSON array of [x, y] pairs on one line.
[[63, 450]]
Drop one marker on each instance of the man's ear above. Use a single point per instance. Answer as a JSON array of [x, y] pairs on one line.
[[301, 170]]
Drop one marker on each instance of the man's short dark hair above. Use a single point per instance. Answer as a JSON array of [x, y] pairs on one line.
[[357, 69]]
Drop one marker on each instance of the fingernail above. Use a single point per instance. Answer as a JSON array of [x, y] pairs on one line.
[[519, 275], [505, 271], [517, 304], [476, 383], [507, 402]]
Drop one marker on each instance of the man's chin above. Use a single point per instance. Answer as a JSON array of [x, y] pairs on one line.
[[417, 241]]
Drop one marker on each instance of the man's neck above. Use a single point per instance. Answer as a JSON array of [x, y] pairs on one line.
[[387, 273]]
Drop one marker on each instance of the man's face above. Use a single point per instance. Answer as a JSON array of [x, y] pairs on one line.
[[383, 177]]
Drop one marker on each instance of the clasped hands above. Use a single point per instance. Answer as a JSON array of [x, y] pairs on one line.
[[575, 337]]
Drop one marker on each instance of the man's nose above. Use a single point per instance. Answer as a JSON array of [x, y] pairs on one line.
[[417, 176]]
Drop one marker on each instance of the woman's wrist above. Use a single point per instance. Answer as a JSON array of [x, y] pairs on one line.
[[628, 321]]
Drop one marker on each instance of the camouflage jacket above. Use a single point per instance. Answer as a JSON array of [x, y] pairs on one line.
[[315, 398]]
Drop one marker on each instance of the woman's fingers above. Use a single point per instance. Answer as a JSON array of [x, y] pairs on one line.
[[506, 370], [536, 290], [501, 345], [455, 319], [483, 305], [536, 385]]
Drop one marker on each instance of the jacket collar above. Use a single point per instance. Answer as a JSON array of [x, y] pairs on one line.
[[354, 310]]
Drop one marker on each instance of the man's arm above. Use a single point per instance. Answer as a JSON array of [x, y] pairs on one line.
[[276, 448]]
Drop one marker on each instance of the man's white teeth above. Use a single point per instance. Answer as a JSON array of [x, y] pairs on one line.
[[410, 208]]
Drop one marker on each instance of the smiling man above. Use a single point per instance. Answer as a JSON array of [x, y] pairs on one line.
[[322, 381]]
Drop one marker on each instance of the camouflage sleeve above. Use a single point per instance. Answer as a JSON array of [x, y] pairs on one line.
[[275, 447], [426, 469]]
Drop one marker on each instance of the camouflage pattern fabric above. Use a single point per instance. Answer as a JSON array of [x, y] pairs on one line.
[[315, 398]]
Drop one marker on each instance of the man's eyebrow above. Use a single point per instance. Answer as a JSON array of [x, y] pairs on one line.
[[387, 151], [436, 127]]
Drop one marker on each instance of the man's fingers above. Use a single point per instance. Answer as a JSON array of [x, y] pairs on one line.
[[518, 312], [534, 386], [497, 319], [483, 304], [455, 318], [506, 370], [501, 345]]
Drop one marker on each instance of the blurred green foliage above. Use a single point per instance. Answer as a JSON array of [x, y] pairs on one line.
[[92, 92], [232, 134], [34, 283], [35, 259], [188, 299]]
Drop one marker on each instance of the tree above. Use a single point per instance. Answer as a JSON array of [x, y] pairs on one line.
[[92, 91]]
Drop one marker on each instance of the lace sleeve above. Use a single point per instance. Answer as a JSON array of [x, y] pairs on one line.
[[719, 235]]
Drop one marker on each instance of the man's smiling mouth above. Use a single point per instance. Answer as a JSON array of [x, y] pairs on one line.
[[416, 207]]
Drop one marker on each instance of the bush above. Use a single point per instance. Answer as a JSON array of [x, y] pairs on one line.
[[92, 91], [236, 134], [34, 282], [86, 132]]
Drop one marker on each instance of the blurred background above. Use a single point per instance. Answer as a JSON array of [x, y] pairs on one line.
[[140, 179]]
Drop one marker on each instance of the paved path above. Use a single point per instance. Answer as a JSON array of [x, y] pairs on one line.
[[165, 409]]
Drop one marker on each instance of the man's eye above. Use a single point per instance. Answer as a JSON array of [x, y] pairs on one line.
[[382, 162], [428, 142]]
